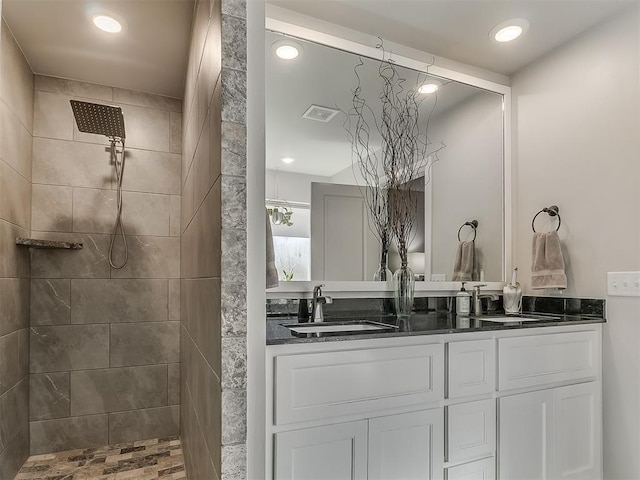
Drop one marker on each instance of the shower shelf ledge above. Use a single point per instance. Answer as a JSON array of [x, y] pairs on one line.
[[35, 243]]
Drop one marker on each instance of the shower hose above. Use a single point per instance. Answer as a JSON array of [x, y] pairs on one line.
[[119, 164]]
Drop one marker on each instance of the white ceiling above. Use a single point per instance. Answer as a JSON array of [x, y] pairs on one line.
[[150, 55], [459, 29]]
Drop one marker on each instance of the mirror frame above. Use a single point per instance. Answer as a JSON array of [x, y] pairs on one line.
[[410, 59]]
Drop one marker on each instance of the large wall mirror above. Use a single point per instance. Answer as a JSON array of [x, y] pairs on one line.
[[321, 226]]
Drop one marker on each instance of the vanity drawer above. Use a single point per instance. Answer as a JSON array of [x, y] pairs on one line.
[[472, 368], [543, 359], [482, 469], [471, 430], [333, 384]]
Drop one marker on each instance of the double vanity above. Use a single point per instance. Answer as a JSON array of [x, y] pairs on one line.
[[435, 397]]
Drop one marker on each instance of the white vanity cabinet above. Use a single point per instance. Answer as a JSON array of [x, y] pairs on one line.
[[492, 405]]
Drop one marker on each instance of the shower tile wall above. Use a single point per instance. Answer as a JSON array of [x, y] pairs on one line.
[[104, 342], [16, 120], [214, 245]]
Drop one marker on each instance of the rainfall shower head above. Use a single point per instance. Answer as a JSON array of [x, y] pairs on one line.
[[100, 119]]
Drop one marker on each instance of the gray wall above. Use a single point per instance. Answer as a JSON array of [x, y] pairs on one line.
[[576, 145], [104, 342], [16, 121], [213, 269]]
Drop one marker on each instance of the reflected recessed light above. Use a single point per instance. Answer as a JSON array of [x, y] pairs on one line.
[[107, 24], [509, 30], [428, 88], [287, 49], [287, 52], [288, 159]]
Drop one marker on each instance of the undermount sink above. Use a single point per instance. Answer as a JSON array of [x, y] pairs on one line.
[[362, 326], [516, 318]]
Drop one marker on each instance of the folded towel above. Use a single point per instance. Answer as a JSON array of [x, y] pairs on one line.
[[547, 267], [272, 271], [465, 267]]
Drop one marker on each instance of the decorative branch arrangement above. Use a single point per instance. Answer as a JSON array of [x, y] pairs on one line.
[[405, 154]]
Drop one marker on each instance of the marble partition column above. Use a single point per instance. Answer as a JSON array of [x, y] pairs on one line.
[[213, 244], [104, 342], [16, 126]]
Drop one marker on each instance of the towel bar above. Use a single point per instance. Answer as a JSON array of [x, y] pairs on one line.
[[473, 224], [552, 211]]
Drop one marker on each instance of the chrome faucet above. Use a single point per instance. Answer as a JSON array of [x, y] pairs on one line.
[[477, 298], [318, 301]]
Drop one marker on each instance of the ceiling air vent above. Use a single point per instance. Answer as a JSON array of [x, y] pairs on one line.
[[320, 114]]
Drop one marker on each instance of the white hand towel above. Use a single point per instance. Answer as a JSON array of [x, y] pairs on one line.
[[465, 267], [547, 267], [272, 271]]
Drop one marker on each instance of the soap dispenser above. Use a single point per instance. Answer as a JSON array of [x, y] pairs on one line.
[[463, 301]]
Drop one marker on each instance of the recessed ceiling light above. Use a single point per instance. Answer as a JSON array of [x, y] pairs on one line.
[[428, 88], [288, 160], [287, 49], [509, 30], [107, 24]]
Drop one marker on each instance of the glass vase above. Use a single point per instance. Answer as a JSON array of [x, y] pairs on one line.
[[404, 284], [383, 273]]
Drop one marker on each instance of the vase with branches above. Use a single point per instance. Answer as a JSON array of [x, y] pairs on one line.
[[391, 171]]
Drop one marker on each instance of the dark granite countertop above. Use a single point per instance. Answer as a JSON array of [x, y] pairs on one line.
[[419, 324]]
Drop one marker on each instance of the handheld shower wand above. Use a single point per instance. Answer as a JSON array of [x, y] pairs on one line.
[[109, 121]]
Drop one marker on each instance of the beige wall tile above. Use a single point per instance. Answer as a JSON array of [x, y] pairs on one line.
[[69, 433], [53, 117], [15, 142], [149, 100], [60, 162], [151, 257], [51, 208], [49, 396], [144, 343], [109, 390], [14, 260], [146, 213], [174, 216], [186, 207], [176, 132], [74, 88], [174, 299], [60, 348], [146, 423], [152, 172], [14, 304], [50, 301], [147, 128], [15, 197], [16, 84], [89, 262], [200, 169], [119, 300], [94, 210]]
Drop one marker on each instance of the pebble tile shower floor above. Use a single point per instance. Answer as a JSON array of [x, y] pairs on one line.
[[159, 458]]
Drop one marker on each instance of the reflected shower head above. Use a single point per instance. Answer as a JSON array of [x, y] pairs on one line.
[[97, 118]]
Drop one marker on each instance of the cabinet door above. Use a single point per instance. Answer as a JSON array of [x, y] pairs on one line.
[[525, 435], [577, 432], [479, 470], [333, 452], [471, 430], [407, 446], [552, 434]]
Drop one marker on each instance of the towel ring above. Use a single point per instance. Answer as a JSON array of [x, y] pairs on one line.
[[473, 224], [552, 211]]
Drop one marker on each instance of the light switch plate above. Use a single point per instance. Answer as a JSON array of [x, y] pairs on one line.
[[623, 284]]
